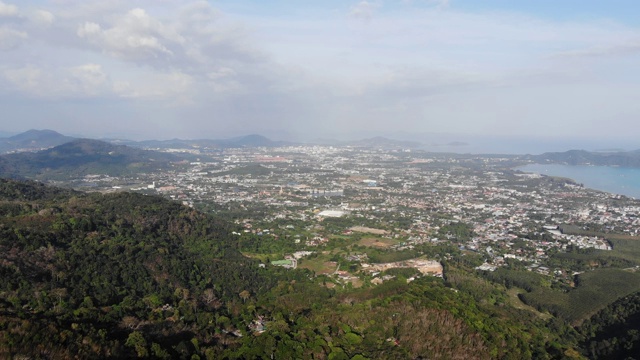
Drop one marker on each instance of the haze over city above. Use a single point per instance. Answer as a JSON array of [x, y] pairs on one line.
[[561, 75]]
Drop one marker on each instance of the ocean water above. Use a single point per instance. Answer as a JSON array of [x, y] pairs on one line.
[[616, 180]]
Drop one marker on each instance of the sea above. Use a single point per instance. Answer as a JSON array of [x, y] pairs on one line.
[[616, 180]]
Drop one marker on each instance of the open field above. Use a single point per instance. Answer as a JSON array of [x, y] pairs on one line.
[[320, 265], [356, 282], [368, 230], [378, 242]]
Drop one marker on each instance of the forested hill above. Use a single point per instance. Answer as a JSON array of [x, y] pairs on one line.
[[582, 157], [33, 140], [89, 276], [83, 157], [80, 272]]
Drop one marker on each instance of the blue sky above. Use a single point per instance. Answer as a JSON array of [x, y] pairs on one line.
[[618, 10], [556, 71]]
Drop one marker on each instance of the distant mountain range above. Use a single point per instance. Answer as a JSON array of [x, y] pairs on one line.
[[33, 140], [48, 155], [83, 157], [236, 142], [582, 157]]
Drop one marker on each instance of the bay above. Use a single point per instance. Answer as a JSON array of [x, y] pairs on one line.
[[616, 180]]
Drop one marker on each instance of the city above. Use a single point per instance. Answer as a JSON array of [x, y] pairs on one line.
[[332, 203]]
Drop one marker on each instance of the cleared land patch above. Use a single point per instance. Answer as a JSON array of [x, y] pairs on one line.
[[320, 265], [368, 230], [377, 242]]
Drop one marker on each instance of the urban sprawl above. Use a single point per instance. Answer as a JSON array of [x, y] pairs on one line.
[[391, 200]]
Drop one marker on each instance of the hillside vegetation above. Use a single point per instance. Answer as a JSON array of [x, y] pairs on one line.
[[82, 157], [80, 273], [124, 275], [582, 157]]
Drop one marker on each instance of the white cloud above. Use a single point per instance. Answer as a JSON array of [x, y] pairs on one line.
[[42, 17], [440, 3], [8, 9], [134, 36], [418, 65], [199, 14], [10, 38], [363, 10], [174, 86], [224, 81], [57, 83], [89, 30], [89, 79], [221, 73], [628, 48], [187, 50], [27, 78]]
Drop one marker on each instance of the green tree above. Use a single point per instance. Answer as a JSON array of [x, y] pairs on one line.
[[138, 342]]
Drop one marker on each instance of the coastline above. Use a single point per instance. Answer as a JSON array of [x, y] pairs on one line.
[[614, 180]]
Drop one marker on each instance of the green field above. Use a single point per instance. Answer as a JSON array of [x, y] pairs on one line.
[[606, 277], [319, 264], [594, 291]]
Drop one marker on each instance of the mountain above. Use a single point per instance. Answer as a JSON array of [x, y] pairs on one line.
[[106, 276], [582, 157], [253, 141], [33, 140], [82, 157], [237, 142]]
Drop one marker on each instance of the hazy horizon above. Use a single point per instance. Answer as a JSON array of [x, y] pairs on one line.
[[443, 143], [514, 77]]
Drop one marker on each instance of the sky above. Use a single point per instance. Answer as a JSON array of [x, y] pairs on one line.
[[516, 72]]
